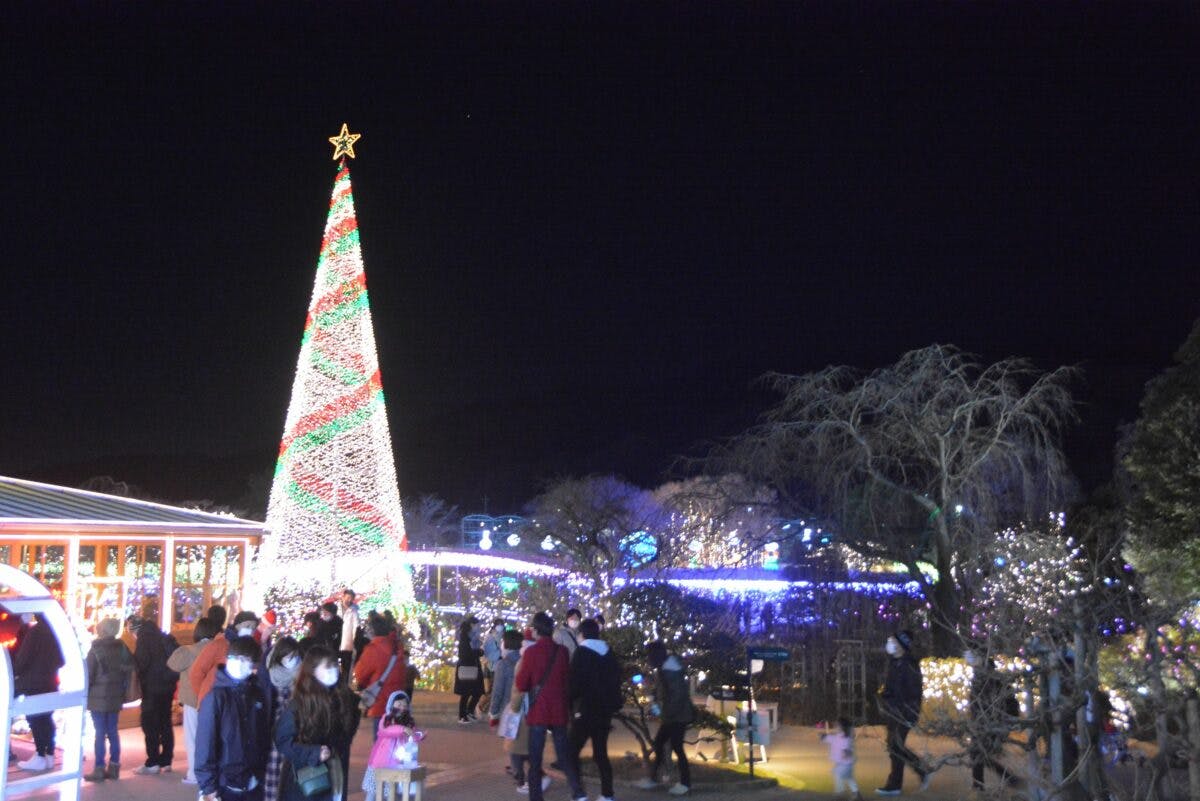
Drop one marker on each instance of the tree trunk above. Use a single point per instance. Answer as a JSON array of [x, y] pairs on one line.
[[1193, 725]]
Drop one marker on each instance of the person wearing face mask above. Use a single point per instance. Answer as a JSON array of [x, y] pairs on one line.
[[35, 671], [991, 702], [568, 635], [204, 669], [231, 735], [900, 702], [329, 633], [276, 680], [181, 661], [317, 725], [491, 654]]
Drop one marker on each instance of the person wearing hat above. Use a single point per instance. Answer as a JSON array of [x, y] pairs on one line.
[[900, 702]]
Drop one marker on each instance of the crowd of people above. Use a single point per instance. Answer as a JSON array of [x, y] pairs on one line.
[[564, 684]]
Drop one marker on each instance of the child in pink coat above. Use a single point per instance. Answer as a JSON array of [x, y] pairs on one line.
[[397, 729]]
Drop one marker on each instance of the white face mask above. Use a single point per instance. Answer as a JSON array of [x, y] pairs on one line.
[[245, 631], [573, 623], [498, 629], [892, 647], [291, 661], [238, 669], [327, 675]]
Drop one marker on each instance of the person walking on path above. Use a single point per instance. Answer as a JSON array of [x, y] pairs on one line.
[[672, 704], [109, 667], [492, 645], [329, 633], [596, 696], [317, 725], [468, 674], [991, 702], [276, 681], [506, 671], [231, 735], [900, 702], [544, 673], [567, 635], [349, 635], [843, 755], [181, 662], [383, 662], [158, 691]]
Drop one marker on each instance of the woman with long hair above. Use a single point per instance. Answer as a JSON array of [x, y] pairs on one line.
[[282, 669], [317, 725], [468, 675]]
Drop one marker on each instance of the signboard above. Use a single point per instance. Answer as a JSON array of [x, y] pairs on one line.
[[769, 654]]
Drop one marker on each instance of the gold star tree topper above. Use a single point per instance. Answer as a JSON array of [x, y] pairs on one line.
[[343, 143]]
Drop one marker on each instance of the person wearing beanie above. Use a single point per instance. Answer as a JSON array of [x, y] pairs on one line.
[[900, 702]]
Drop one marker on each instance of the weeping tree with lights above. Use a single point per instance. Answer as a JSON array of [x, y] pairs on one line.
[[918, 462], [334, 515], [721, 521], [602, 526]]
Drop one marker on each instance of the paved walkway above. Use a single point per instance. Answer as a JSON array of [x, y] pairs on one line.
[[466, 763]]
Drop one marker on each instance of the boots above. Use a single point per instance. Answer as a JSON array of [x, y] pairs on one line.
[[98, 774], [113, 771]]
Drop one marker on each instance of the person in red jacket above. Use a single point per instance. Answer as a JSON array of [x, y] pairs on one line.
[[372, 665], [544, 672]]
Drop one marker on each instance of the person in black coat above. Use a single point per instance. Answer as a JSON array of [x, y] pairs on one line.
[[232, 735], [596, 696], [35, 671], [329, 633], [158, 684], [468, 674], [900, 702]]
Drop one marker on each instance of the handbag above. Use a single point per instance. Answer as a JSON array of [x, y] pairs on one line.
[[468, 672], [313, 780], [510, 722], [370, 693]]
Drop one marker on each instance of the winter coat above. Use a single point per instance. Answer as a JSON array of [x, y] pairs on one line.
[[901, 696], [671, 693], [150, 661], [493, 650], [468, 656], [389, 736], [204, 670], [567, 638], [109, 666], [232, 737], [549, 708], [329, 633], [37, 660], [595, 682], [304, 755], [991, 701], [373, 663], [502, 684], [181, 662]]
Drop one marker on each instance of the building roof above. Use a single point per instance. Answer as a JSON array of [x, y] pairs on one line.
[[30, 503]]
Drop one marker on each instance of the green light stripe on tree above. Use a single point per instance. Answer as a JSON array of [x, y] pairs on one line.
[[343, 311], [335, 372], [320, 436], [310, 502]]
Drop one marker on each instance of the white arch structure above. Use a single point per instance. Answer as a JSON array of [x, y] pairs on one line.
[[29, 595]]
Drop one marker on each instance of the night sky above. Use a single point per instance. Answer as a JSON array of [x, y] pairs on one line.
[[587, 227]]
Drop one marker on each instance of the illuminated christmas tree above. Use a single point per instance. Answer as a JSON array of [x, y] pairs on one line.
[[334, 515]]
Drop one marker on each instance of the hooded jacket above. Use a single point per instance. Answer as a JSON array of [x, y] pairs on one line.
[[204, 670], [671, 693], [902, 689], [595, 681], [181, 662], [232, 735], [109, 666]]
